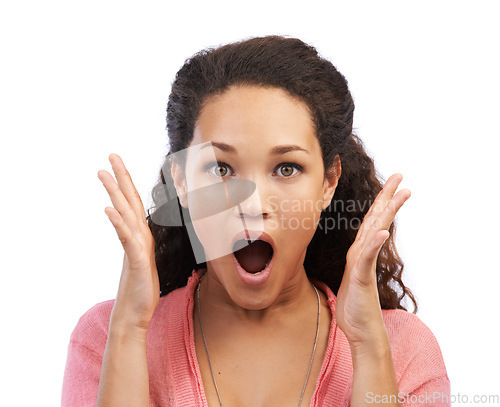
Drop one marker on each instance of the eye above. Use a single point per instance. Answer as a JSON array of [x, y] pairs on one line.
[[220, 168], [287, 169]]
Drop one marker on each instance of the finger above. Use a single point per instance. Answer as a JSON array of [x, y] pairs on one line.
[[381, 199], [119, 201], [383, 220], [127, 186], [379, 204], [132, 248], [368, 257]]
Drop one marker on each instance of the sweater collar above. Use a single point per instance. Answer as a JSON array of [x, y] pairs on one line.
[[332, 383]]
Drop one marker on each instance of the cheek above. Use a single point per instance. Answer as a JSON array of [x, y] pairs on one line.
[[209, 220], [214, 236], [215, 224], [299, 215]]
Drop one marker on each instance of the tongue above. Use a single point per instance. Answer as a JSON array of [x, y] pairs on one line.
[[253, 257]]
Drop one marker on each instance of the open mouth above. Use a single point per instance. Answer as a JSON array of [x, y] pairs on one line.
[[255, 256]]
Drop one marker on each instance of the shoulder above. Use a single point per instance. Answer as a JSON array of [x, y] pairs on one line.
[[92, 327], [91, 330], [415, 350], [406, 330]]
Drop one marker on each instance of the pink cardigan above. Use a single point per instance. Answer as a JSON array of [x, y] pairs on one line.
[[174, 374]]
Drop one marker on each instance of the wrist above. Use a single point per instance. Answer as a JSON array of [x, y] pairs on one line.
[[124, 319], [374, 346], [122, 330]]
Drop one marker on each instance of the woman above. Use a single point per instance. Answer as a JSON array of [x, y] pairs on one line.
[[280, 284]]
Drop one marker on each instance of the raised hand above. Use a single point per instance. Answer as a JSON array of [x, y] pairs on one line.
[[357, 310], [138, 292]]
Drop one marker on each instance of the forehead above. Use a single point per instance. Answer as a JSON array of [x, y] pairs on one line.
[[271, 114]]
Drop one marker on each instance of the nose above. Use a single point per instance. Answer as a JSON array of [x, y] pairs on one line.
[[257, 204]]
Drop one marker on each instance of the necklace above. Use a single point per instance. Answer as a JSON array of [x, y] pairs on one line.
[[208, 356]]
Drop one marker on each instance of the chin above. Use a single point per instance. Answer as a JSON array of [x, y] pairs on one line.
[[251, 300], [253, 305]]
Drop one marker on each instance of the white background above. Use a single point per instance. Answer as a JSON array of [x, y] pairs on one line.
[[80, 80]]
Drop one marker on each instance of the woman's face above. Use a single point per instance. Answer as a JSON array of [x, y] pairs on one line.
[[246, 125]]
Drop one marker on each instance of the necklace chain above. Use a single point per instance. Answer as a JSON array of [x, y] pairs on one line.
[[208, 356]]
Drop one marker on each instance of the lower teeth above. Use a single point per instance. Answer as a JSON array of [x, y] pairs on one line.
[[258, 272]]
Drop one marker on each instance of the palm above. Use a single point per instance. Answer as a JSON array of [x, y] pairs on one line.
[[357, 308], [138, 292]]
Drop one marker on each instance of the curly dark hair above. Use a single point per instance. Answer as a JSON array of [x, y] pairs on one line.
[[292, 65]]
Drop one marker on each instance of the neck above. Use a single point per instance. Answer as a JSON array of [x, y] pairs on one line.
[[280, 301]]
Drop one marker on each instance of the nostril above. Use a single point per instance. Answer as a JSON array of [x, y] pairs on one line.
[[251, 207]]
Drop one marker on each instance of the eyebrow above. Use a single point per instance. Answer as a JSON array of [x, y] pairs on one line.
[[277, 150]]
